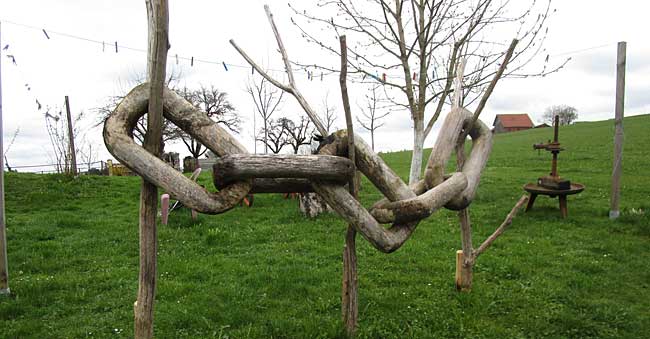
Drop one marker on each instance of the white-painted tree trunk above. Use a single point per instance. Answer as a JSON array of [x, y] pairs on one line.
[[418, 147]]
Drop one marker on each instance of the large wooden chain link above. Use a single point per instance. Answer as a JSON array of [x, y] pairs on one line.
[[403, 206]]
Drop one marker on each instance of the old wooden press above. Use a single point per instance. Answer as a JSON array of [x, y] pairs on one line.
[[553, 181], [552, 185]]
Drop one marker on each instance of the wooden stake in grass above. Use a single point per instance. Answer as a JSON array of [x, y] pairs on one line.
[[71, 149], [158, 19], [618, 132], [349, 302]]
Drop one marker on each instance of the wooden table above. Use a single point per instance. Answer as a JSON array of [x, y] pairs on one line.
[[536, 190]]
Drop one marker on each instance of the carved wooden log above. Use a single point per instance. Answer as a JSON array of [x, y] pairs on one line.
[[481, 135], [244, 166], [119, 142], [279, 185], [422, 206], [385, 240], [370, 164], [474, 165], [445, 145], [338, 197]]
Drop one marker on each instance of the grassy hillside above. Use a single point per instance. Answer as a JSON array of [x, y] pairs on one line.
[[268, 272]]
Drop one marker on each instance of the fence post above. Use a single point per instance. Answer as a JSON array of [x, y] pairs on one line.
[[71, 148], [158, 44], [619, 112]]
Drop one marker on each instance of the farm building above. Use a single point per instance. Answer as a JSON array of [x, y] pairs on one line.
[[511, 122]]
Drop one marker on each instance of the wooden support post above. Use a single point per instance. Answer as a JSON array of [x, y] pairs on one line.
[[349, 302], [158, 25], [615, 197], [4, 271], [464, 263], [71, 149], [463, 273]]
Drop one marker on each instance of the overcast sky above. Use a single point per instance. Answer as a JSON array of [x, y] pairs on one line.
[[586, 31]]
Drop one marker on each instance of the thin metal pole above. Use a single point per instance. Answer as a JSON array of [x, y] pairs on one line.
[[4, 273], [619, 109]]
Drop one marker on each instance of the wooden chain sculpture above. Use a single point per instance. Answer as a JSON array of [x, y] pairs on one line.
[[238, 173]]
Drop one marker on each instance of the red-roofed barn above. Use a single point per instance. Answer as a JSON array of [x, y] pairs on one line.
[[511, 122]]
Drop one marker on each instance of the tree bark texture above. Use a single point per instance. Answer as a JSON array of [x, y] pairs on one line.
[[418, 152], [455, 122], [349, 299], [237, 167]]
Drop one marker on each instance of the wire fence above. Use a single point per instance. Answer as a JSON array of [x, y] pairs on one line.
[[95, 167]]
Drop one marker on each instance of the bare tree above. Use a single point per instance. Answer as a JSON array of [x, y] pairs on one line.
[[568, 114], [274, 136], [416, 45], [371, 118], [217, 107], [88, 153], [57, 129], [267, 98], [11, 143], [329, 114], [297, 134]]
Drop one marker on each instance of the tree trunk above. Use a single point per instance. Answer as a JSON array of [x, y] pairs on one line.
[[266, 136], [418, 147]]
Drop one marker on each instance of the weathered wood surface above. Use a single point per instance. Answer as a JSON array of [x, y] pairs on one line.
[[370, 164], [71, 149], [482, 141], [278, 185], [473, 166], [119, 142], [409, 208], [464, 271], [445, 144], [349, 295], [158, 20], [244, 166], [463, 276], [385, 240], [619, 112], [423, 205]]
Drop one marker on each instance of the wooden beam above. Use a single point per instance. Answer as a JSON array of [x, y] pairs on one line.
[[619, 109], [158, 26], [238, 167], [282, 185], [350, 284]]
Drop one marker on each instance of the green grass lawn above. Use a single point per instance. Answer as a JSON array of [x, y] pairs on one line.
[[266, 272]]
